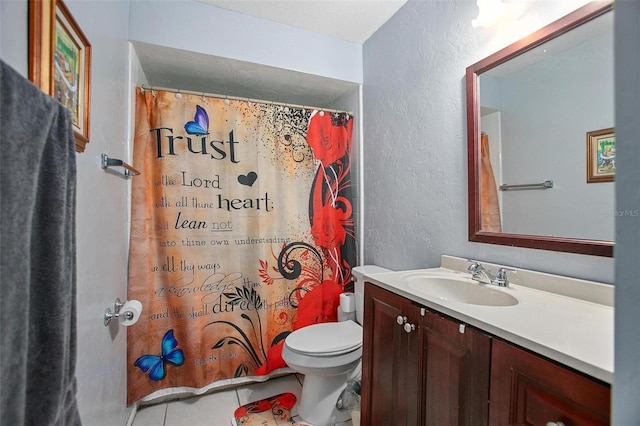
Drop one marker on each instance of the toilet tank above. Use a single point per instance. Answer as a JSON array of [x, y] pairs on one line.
[[358, 277]]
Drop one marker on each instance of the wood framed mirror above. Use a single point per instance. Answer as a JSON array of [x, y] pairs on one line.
[[569, 178]]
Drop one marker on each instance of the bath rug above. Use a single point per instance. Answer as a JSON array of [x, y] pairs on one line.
[[272, 411]]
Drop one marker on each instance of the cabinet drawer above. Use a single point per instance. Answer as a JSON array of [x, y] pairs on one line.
[[527, 389]]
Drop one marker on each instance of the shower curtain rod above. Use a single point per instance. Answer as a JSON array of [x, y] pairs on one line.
[[237, 98]]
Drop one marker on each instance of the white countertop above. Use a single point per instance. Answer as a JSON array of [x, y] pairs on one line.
[[571, 330]]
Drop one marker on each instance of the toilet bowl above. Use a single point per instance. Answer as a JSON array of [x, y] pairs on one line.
[[328, 354]]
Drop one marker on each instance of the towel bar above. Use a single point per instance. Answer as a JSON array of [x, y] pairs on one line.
[[114, 162], [544, 185]]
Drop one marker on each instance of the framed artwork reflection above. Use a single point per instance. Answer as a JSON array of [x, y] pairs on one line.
[[601, 155], [60, 62]]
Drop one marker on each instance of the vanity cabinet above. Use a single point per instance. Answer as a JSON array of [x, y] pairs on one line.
[[527, 389], [419, 367], [389, 380]]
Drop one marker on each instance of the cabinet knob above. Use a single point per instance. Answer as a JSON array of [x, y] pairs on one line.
[[401, 320], [555, 424], [409, 327]]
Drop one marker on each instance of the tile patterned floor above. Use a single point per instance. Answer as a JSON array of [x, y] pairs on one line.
[[216, 409]]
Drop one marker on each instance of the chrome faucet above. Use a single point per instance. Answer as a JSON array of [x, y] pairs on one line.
[[483, 275]]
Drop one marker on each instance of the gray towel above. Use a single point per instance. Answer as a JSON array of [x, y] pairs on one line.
[[38, 254]]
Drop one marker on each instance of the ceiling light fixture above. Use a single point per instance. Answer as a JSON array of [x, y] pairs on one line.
[[489, 12]]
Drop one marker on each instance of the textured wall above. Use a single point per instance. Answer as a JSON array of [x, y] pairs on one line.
[[103, 216], [415, 173], [13, 36]]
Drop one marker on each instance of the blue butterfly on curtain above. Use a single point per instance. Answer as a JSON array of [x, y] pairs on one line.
[[200, 124], [155, 364]]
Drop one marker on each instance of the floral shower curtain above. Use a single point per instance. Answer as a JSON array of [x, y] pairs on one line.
[[489, 204], [241, 232]]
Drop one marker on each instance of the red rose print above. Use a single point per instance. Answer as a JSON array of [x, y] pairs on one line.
[[319, 305], [240, 412], [327, 229], [274, 360], [329, 138], [263, 405], [287, 400]]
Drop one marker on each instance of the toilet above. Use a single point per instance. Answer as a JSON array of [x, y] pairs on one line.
[[328, 354]]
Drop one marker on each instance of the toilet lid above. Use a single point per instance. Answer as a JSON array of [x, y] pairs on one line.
[[330, 338]]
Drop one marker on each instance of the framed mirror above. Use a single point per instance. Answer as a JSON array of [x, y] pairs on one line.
[[539, 126]]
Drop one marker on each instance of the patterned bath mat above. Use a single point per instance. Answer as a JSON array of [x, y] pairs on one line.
[[272, 411]]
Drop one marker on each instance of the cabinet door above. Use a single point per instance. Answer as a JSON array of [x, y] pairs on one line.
[[455, 362], [527, 389], [385, 400]]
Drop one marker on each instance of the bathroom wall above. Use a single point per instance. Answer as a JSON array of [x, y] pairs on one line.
[[102, 216], [626, 410], [102, 201], [415, 175], [13, 49]]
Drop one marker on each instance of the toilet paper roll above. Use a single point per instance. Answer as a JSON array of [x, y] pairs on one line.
[[130, 312], [347, 302]]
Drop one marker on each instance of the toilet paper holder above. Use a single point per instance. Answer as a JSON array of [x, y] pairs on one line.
[[117, 305]]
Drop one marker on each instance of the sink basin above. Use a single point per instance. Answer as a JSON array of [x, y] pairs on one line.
[[460, 289]]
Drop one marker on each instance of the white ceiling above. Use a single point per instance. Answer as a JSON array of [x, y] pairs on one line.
[[352, 20]]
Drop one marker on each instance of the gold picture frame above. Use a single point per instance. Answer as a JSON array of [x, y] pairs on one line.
[[60, 62], [601, 155]]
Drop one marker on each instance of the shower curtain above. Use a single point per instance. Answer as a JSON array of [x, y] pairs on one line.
[[241, 232], [489, 205]]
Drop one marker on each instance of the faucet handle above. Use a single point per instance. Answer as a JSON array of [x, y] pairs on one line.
[[474, 266], [501, 277], [502, 272]]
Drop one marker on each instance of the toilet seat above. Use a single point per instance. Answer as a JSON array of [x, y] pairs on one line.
[[326, 339], [326, 353]]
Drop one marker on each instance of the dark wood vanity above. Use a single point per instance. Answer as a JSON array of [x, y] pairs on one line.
[[421, 367]]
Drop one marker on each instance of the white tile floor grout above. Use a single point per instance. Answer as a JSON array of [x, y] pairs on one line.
[[216, 409]]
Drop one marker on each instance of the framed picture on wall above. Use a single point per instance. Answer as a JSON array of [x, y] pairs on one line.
[[60, 62], [601, 155]]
